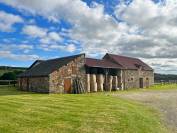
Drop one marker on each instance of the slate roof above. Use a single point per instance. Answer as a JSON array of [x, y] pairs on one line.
[[44, 68], [36, 63], [90, 62], [128, 62]]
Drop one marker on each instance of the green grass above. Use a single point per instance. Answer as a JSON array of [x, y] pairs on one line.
[[85, 113], [163, 87], [158, 87]]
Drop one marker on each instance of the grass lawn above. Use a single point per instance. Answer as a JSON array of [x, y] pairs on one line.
[[85, 113], [158, 87]]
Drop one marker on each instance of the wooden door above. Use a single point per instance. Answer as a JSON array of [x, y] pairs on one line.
[[141, 82], [67, 85]]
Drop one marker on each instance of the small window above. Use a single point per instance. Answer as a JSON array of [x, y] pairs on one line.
[[132, 79], [147, 78]]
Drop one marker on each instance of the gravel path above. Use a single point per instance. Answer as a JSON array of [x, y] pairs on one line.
[[164, 101]]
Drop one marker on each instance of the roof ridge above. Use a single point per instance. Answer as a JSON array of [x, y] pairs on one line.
[[124, 56], [65, 57]]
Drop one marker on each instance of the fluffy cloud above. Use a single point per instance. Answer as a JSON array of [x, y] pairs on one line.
[[7, 20], [25, 48], [34, 31], [163, 65], [71, 48], [49, 47], [54, 36], [21, 57], [156, 24], [147, 29]]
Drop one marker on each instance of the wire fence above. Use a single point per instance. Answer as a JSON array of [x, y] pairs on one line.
[[165, 82]]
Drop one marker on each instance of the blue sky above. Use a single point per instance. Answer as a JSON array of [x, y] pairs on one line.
[[44, 29]]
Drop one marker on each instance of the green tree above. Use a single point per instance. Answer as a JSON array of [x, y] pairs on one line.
[[8, 76]]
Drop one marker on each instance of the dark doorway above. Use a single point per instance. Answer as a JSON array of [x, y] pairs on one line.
[[67, 85], [141, 82]]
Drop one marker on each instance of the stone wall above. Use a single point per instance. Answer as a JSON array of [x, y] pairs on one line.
[[39, 84], [34, 84], [70, 71], [22, 83], [131, 78]]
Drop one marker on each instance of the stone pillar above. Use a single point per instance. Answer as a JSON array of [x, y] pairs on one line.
[[100, 82], [122, 81], [114, 83], [88, 82], [93, 83], [110, 83]]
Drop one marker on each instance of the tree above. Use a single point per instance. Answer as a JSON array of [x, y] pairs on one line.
[[8, 76]]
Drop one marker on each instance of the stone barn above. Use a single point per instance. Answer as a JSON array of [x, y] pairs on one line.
[[78, 74]]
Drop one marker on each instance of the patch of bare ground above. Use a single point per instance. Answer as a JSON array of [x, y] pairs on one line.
[[164, 101]]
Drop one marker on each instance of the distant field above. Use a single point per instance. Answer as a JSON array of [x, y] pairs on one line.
[[82, 113]]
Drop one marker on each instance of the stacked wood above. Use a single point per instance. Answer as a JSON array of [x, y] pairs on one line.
[[110, 82], [114, 83], [78, 87], [93, 83], [88, 82], [100, 81]]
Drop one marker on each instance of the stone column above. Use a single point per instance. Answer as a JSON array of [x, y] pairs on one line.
[[88, 82], [122, 80], [100, 82], [114, 83], [93, 83], [110, 83]]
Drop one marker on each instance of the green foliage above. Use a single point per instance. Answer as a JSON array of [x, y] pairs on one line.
[[83, 113], [6, 69], [8, 76]]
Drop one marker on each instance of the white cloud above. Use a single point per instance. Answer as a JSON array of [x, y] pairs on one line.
[[25, 48], [70, 48], [163, 65], [19, 57], [54, 36], [43, 34], [147, 30], [7, 20], [50, 47], [34, 31]]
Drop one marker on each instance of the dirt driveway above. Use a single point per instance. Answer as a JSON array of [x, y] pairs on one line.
[[164, 101]]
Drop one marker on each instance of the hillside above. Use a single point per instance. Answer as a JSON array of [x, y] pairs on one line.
[[6, 69], [165, 77]]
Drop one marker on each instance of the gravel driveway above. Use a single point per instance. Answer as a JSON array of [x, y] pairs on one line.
[[164, 101]]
